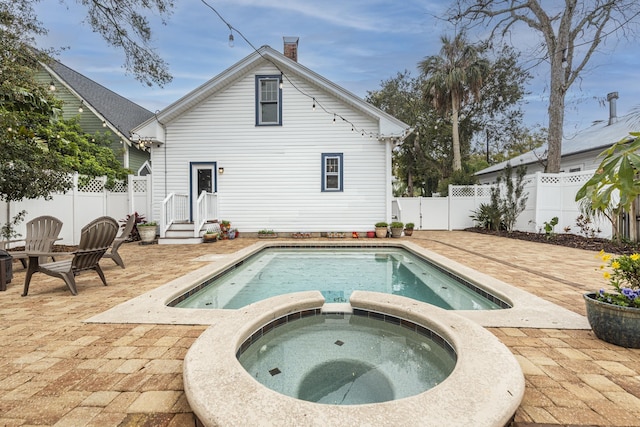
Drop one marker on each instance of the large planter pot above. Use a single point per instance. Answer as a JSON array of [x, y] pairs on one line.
[[408, 231], [396, 231], [381, 232], [147, 233], [613, 323]]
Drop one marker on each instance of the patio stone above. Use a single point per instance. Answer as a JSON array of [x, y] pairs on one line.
[[55, 369]]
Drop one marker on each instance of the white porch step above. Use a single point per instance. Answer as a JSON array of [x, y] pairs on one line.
[[180, 233], [179, 240]]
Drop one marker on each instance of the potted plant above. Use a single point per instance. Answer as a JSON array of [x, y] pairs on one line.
[[210, 235], [147, 231], [267, 234], [396, 229], [615, 316], [408, 228], [381, 229]]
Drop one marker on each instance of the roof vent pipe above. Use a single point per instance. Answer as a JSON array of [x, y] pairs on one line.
[[611, 98]]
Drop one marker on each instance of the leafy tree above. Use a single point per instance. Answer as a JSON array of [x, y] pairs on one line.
[[615, 186], [508, 200], [570, 33], [451, 79], [497, 115], [512, 199], [123, 24], [38, 152]]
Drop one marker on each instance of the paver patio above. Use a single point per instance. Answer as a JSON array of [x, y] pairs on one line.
[[57, 370]]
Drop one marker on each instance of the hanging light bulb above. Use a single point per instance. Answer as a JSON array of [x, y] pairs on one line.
[[334, 118], [52, 86], [80, 109], [280, 80], [231, 40], [313, 107], [104, 124]]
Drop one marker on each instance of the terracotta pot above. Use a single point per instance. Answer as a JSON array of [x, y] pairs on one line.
[[381, 231], [396, 231], [408, 231], [371, 234], [613, 323]]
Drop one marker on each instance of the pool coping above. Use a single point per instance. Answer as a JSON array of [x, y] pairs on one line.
[[485, 388], [528, 310]]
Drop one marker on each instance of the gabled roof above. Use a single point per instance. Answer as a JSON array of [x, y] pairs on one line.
[[389, 125], [597, 138], [121, 114]]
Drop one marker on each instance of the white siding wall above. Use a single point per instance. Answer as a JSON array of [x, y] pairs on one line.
[[272, 174]]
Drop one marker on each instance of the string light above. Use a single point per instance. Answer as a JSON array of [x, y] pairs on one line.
[[231, 43], [80, 109], [104, 124], [313, 107], [280, 80], [52, 86]]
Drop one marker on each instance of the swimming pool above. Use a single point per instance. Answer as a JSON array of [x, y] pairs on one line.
[[526, 310], [336, 273]]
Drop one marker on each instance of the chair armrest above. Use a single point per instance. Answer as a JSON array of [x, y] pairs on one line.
[[4, 243], [48, 254]]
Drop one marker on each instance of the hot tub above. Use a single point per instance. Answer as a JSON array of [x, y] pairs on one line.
[[485, 387]]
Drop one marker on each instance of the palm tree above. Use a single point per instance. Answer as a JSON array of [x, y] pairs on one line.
[[451, 79]]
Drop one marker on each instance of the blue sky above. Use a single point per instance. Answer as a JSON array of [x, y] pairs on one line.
[[355, 43]]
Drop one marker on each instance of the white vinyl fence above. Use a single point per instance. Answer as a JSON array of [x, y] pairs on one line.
[[549, 195], [82, 204]]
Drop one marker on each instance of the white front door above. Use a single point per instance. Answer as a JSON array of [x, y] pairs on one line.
[[203, 178]]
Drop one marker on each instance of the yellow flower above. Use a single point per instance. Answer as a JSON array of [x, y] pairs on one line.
[[635, 257], [606, 275], [615, 264], [606, 257]]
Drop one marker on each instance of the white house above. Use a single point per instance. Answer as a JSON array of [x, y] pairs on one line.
[[579, 152], [269, 144]]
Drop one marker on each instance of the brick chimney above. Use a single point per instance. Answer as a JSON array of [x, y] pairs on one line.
[[611, 98], [291, 48]]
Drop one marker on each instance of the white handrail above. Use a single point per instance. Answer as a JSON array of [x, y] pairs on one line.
[[175, 207], [206, 209]]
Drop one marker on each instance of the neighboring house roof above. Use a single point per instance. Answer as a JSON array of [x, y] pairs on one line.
[[121, 114], [389, 126], [598, 137]]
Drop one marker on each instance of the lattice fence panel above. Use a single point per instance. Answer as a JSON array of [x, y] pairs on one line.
[[92, 186], [120, 187], [139, 186]]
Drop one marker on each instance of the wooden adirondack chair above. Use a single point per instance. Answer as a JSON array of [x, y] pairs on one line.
[[95, 239], [126, 231], [42, 233]]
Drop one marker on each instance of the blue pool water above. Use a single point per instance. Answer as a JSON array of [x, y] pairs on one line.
[[342, 359], [336, 273]]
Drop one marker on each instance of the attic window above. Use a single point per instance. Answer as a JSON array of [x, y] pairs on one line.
[[268, 101]]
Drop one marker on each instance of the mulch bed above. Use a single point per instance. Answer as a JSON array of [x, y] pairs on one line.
[[565, 239]]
